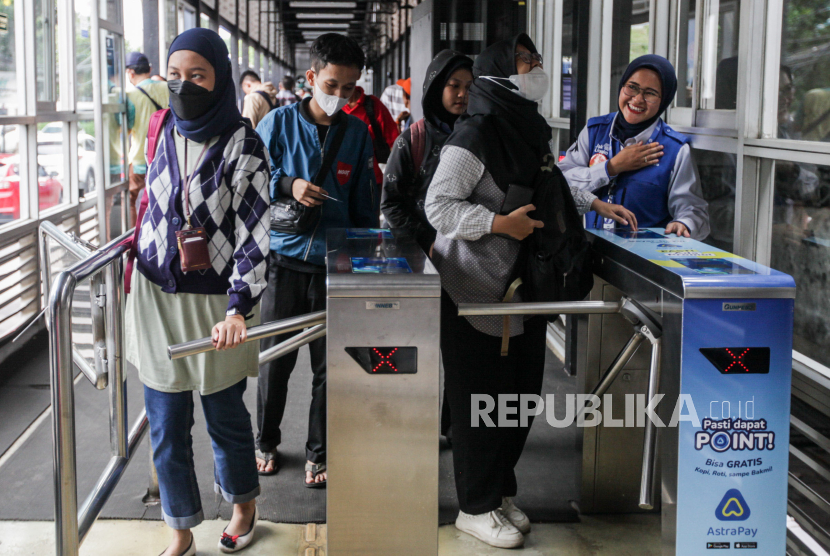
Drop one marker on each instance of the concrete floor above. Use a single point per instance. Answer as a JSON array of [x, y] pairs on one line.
[[618, 535]]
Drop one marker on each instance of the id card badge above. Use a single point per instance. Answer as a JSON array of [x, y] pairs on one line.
[[193, 249], [609, 223]]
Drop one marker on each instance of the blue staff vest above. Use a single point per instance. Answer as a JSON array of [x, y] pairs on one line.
[[645, 192]]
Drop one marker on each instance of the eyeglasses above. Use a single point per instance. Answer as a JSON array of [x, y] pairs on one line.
[[528, 58], [632, 90]]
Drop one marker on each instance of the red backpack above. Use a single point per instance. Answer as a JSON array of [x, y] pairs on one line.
[[153, 135]]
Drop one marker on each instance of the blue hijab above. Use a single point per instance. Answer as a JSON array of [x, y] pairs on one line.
[[624, 130], [224, 112]]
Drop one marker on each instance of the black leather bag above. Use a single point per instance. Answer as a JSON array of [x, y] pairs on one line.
[[288, 215]]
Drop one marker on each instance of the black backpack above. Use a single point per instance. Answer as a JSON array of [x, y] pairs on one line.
[[557, 258]]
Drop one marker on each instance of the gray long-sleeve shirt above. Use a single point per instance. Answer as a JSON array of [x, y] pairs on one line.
[[686, 203], [475, 265]]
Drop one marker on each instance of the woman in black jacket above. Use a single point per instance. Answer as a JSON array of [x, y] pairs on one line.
[[448, 79]]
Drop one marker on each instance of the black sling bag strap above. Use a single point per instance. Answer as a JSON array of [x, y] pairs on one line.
[[267, 98], [146, 94], [382, 150], [288, 215]]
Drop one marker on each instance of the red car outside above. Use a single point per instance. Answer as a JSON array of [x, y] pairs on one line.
[[50, 190]]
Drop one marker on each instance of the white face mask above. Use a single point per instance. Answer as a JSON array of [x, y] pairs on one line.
[[331, 104], [532, 85]]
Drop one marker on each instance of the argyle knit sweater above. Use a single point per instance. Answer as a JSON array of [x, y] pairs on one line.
[[229, 197]]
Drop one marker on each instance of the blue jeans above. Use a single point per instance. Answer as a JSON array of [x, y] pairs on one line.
[[229, 425]]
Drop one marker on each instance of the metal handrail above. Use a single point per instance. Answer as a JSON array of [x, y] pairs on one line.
[[97, 374], [70, 527], [193, 347]]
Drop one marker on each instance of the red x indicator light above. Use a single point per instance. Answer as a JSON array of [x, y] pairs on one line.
[[738, 360], [386, 360]]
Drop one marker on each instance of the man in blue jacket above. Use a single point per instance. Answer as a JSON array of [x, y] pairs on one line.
[[296, 137]]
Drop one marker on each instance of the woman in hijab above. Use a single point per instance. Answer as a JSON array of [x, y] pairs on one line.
[[202, 267], [633, 158], [501, 141]]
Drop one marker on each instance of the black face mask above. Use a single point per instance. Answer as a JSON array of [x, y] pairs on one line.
[[188, 100]]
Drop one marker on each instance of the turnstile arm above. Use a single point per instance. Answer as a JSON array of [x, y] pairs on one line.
[[621, 361], [552, 308], [177, 351], [650, 440], [293, 343]]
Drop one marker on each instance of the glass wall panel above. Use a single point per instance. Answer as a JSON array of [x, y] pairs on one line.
[[204, 21], [83, 54], [804, 86], [113, 93], [11, 191], [567, 57], [109, 10], [686, 52], [226, 36], [718, 175], [801, 248], [719, 69], [86, 158], [8, 62], [629, 39], [52, 181], [46, 20]]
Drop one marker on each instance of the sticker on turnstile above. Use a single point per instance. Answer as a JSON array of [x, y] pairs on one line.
[[380, 265], [369, 233], [639, 234], [386, 360], [714, 266]]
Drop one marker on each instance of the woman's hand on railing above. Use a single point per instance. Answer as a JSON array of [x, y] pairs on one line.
[[517, 224], [229, 333]]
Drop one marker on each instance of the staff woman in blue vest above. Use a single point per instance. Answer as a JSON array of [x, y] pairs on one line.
[[632, 158]]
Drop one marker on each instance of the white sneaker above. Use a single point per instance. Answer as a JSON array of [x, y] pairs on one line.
[[492, 528], [516, 516]]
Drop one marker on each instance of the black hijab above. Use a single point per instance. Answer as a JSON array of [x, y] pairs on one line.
[[665, 71], [501, 128], [224, 112], [439, 71]]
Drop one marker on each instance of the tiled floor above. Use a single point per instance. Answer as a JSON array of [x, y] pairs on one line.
[[635, 535]]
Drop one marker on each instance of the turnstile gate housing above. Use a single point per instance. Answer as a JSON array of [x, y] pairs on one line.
[[383, 322], [726, 484]]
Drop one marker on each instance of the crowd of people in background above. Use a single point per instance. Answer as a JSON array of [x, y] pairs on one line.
[[232, 220]]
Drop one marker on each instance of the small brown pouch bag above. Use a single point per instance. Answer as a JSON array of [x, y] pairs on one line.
[[193, 242]]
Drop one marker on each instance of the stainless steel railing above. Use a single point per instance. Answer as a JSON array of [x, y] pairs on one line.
[[104, 268]]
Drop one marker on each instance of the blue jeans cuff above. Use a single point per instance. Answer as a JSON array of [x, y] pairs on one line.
[[182, 523], [236, 498]]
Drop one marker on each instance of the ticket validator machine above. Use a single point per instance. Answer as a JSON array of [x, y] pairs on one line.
[[383, 321], [724, 351]]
